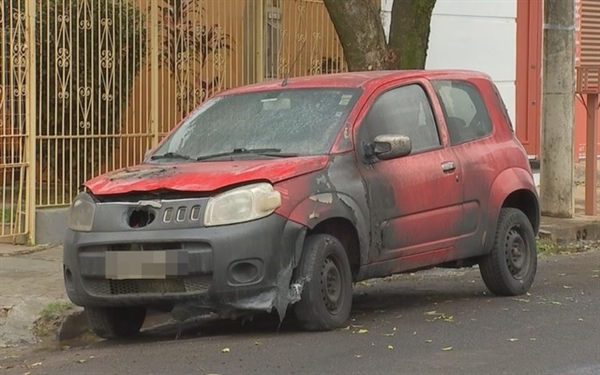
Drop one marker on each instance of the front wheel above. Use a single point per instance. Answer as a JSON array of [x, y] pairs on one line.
[[326, 297], [509, 269], [116, 322]]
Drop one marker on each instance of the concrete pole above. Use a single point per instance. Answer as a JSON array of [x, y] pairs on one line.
[[558, 109]]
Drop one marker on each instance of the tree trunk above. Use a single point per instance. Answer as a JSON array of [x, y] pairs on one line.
[[358, 25], [409, 32]]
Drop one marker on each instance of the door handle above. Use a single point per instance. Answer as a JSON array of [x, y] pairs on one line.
[[448, 167]]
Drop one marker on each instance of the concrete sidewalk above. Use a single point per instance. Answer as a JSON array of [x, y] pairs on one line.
[[580, 227], [30, 279]]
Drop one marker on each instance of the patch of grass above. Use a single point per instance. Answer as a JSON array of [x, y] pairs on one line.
[[55, 307], [548, 246], [50, 317]]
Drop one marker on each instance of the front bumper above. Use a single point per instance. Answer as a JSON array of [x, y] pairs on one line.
[[244, 266]]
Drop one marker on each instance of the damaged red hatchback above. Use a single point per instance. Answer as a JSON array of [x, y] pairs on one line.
[[281, 195]]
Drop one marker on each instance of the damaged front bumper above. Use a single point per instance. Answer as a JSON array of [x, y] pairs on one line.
[[229, 270]]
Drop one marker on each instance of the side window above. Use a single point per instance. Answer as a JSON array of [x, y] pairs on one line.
[[403, 111], [466, 114]]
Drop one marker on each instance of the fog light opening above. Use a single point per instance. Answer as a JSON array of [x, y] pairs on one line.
[[141, 217], [244, 272]]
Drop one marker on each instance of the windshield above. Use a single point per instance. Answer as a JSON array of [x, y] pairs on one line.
[[286, 122]]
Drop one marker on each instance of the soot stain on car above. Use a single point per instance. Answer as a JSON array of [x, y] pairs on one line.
[[142, 173]]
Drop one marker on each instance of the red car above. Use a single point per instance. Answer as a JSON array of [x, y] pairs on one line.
[[280, 195]]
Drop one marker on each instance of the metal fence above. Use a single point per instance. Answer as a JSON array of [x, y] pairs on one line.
[[88, 86]]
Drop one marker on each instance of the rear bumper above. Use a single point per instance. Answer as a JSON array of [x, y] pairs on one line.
[[245, 266]]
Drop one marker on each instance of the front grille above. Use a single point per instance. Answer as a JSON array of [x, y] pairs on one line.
[[103, 287], [146, 246]]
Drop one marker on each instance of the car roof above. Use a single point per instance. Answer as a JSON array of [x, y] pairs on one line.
[[365, 79]]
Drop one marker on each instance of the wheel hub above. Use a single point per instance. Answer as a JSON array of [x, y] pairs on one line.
[[517, 254], [331, 286]]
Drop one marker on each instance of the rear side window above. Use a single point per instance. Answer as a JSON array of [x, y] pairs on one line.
[[465, 111], [503, 107]]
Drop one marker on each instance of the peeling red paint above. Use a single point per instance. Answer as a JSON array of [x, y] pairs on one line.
[[202, 176]]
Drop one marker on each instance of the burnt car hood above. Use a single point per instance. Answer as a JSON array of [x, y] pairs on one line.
[[202, 176]]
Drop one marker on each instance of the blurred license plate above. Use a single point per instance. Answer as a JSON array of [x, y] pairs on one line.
[[126, 265]]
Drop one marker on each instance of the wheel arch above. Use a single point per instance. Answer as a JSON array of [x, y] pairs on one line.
[[514, 188], [346, 233], [338, 215]]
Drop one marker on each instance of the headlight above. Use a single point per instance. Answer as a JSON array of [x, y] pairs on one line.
[[81, 214], [242, 204]]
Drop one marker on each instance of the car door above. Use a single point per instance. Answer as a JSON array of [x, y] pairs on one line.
[[415, 200], [470, 129]]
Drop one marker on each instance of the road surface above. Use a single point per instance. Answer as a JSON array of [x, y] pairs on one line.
[[436, 322]]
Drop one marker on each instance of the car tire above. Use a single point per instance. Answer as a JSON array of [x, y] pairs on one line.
[[116, 322], [326, 297], [510, 268]]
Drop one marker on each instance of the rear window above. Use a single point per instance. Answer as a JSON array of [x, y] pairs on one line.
[[466, 114]]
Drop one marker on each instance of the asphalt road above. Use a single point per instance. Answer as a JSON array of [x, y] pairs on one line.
[[438, 322]]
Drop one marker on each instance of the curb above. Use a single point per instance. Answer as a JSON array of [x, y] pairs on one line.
[[28, 250], [73, 325], [62, 326], [567, 234]]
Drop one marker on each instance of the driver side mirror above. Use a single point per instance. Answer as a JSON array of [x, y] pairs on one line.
[[386, 147]]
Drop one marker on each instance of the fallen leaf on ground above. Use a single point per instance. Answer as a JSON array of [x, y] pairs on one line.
[[567, 286], [448, 348], [257, 343], [363, 331], [532, 339], [81, 361], [390, 347], [225, 350], [555, 303], [521, 299], [428, 341], [580, 319], [358, 355], [345, 328], [389, 334], [561, 274], [394, 329], [513, 340]]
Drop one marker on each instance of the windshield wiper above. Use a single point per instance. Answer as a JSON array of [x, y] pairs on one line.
[[170, 155], [274, 152]]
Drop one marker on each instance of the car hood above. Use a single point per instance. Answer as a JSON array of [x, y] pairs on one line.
[[202, 176]]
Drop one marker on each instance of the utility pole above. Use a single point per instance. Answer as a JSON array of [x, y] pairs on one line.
[[558, 110]]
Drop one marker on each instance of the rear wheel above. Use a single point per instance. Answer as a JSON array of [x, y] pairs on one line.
[[116, 322], [326, 297], [510, 268]]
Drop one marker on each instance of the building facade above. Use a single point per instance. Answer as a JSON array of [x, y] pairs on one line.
[[504, 39]]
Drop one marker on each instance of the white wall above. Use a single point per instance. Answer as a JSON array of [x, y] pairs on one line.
[[476, 35]]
